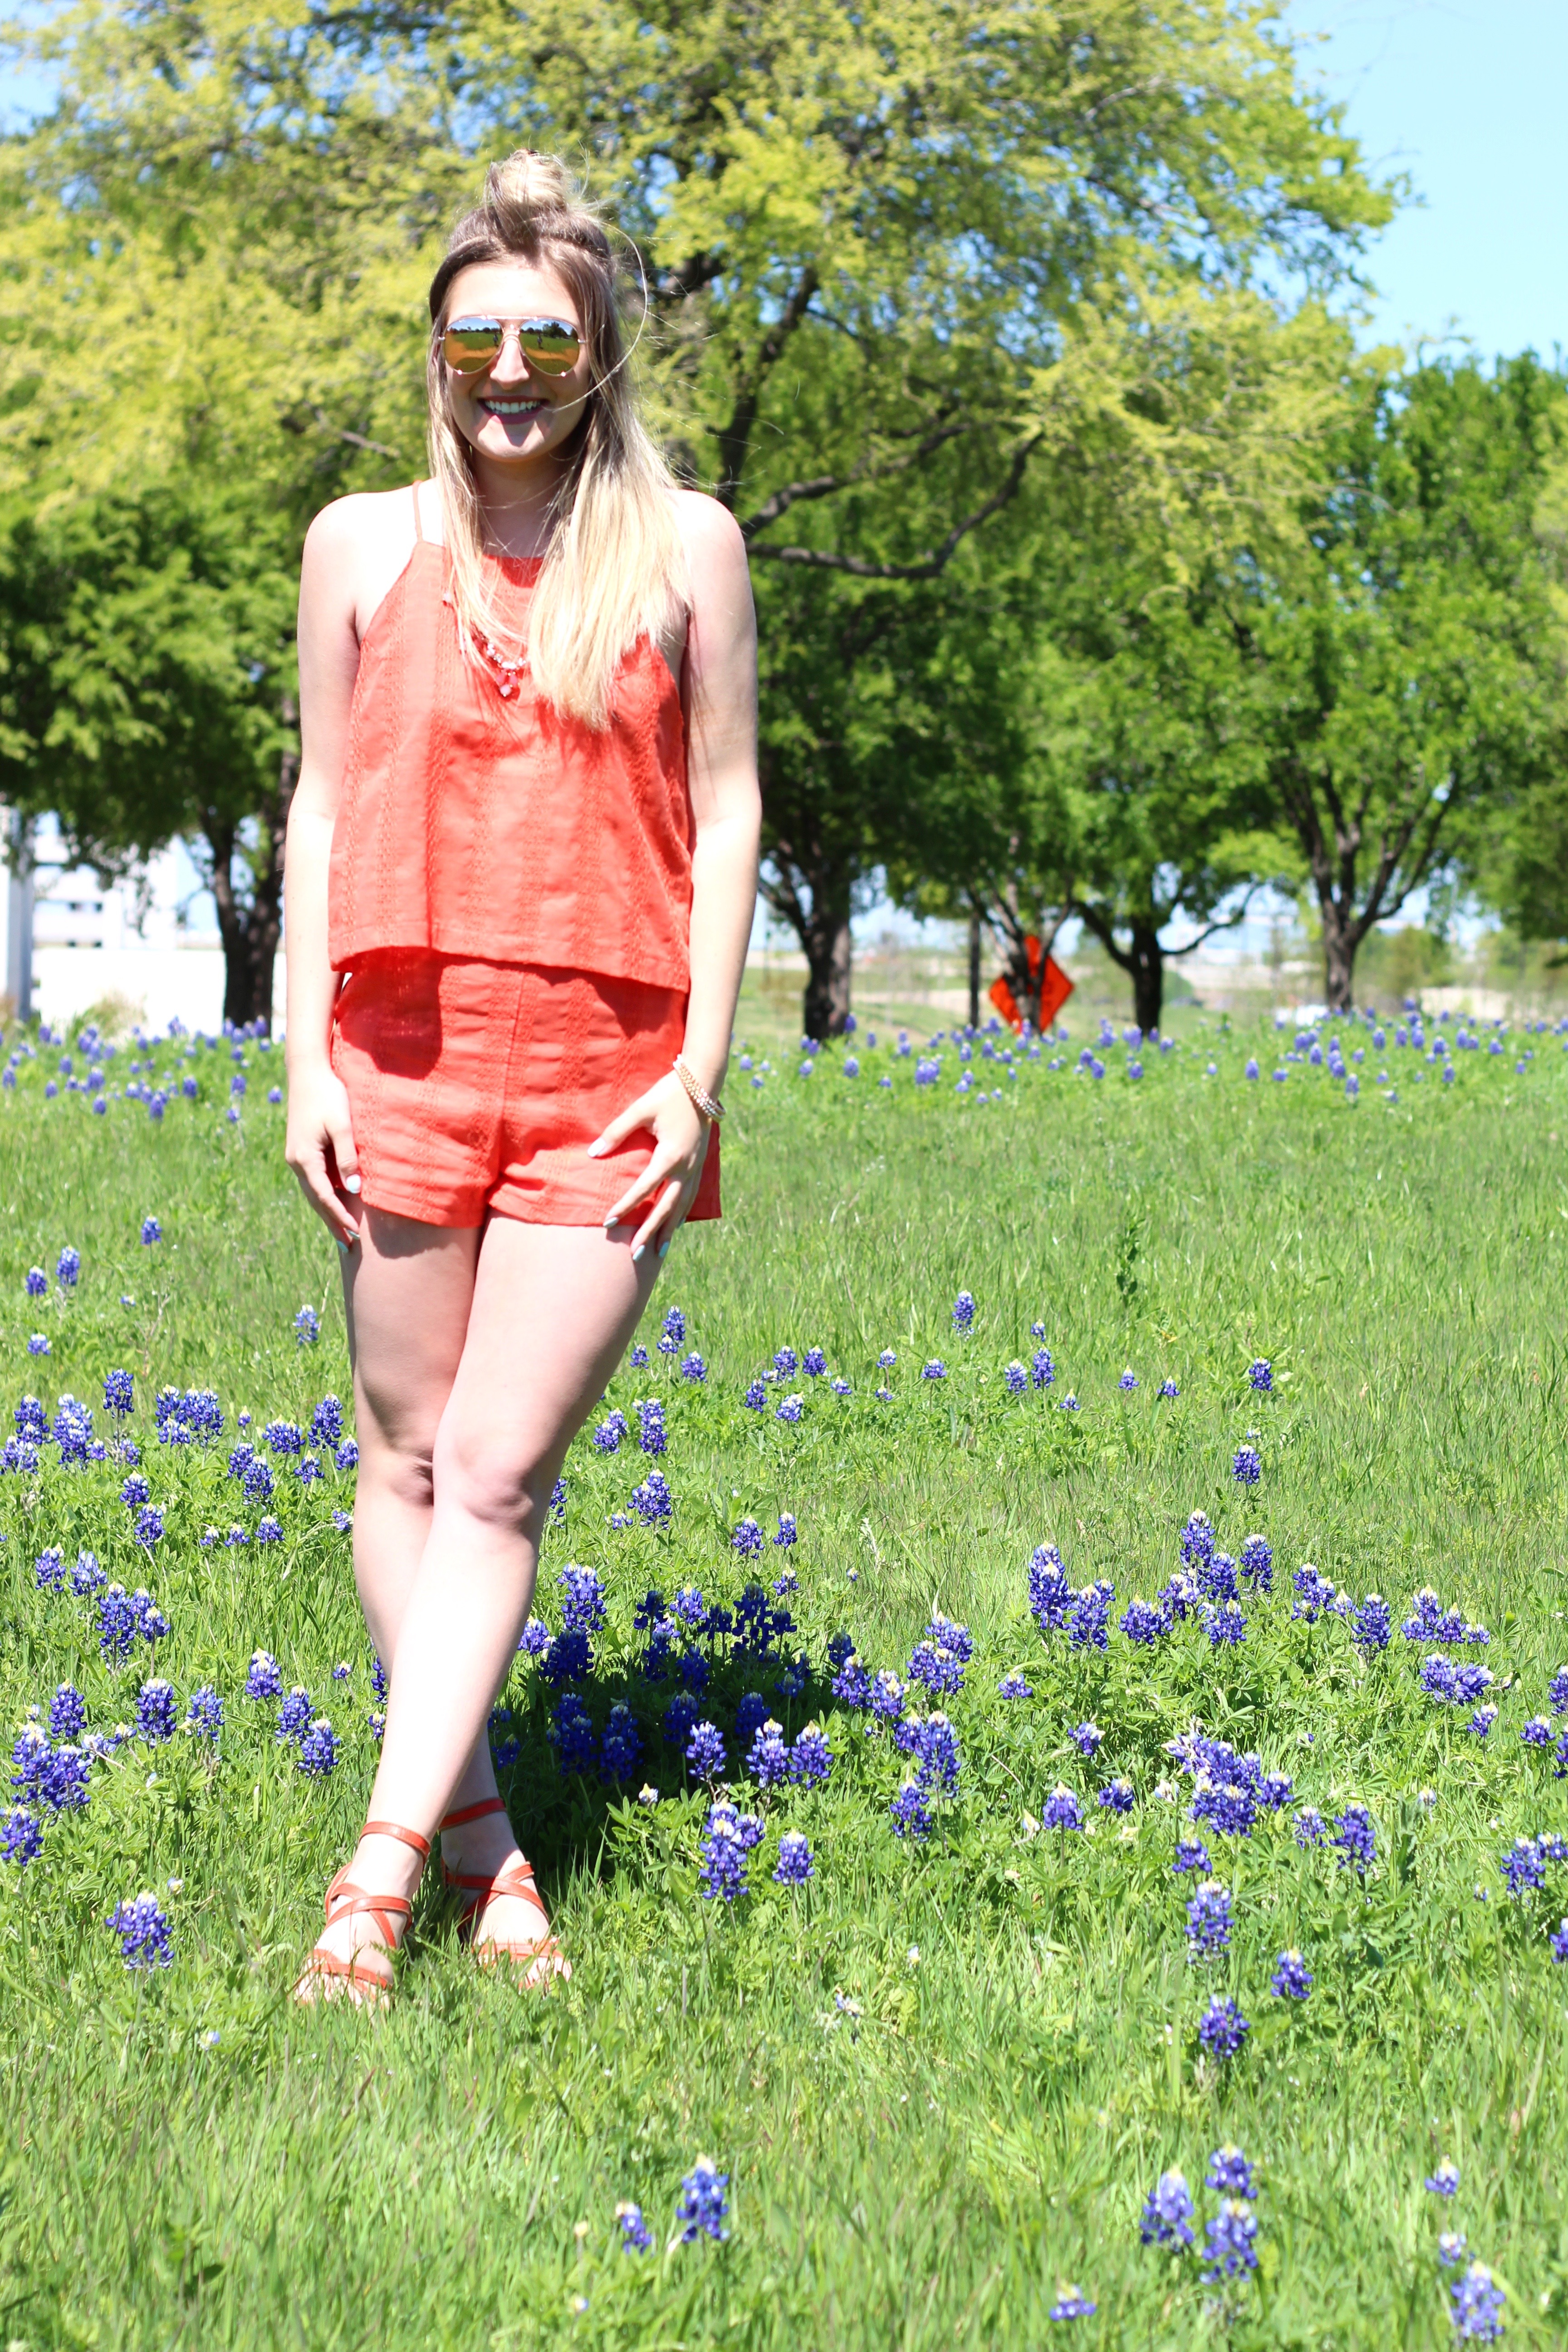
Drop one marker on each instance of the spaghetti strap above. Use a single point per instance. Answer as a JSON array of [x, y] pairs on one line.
[[418, 534]]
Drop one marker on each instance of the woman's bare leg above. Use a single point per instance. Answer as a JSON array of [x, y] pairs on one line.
[[551, 1306]]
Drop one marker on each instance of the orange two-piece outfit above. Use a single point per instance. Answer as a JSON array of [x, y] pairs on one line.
[[509, 899]]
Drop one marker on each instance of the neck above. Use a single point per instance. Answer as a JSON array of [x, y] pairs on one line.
[[516, 501]]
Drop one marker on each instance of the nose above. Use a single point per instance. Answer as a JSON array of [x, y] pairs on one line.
[[510, 368]]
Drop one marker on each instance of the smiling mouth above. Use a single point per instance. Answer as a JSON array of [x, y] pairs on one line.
[[494, 407]]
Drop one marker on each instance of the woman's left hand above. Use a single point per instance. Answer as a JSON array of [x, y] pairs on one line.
[[669, 1181]]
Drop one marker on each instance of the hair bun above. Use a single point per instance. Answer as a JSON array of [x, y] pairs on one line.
[[528, 184]]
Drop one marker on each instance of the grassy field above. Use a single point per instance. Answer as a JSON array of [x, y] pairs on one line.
[[943, 2074]]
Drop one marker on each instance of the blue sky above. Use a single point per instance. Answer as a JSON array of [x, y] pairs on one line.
[[1467, 98]]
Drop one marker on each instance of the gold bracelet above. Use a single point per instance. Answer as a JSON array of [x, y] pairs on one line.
[[709, 1105]]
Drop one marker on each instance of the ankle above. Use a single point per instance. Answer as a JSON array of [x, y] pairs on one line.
[[385, 1865]]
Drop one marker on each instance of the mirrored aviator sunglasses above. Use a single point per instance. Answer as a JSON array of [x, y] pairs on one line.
[[549, 345]]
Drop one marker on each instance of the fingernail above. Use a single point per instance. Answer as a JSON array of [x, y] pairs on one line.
[[594, 1150], [639, 1250], [351, 1183], [664, 1249], [343, 1246]]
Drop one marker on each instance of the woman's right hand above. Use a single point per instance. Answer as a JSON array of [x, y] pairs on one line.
[[319, 1122]]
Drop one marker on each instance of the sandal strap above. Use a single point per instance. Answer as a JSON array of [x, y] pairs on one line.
[[320, 1962], [519, 1881], [421, 1846], [473, 1813]]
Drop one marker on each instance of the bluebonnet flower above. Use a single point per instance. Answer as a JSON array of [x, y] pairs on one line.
[[935, 1371], [307, 1323], [347, 1455], [1231, 1809], [1230, 2249], [607, 1436], [1451, 2248], [1310, 1827], [703, 2203], [284, 1437], [1445, 2180], [674, 1328], [118, 1393], [1481, 1722], [68, 1712], [936, 1668], [692, 1367], [257, 1479], [1275, 1790], [795, 1864], [767, 1759], [963, 1311], [582, 1608], [910, 1812], [1015, 1379], [638, 1359], [1116, 1796], [570, 1734], [1168, 2213], [265, 1681], [636, 2236], [1215, 1577], [1191, 1855], [1314, 1594], [1292, 1977], [786, 1361], [151, 1231], [32, 1424], [1229, 2173], [35, 1282], [747, 1538], [750, 1714], [1128, 1379], [268, 1531], [148, 1528], [653, 1501], [851, 1686], [1355, 1837], [1061, 1810], [811, 1759], [789, 1408], [205, 1714], [326, 1422], [886, 1695], [727, 1839], [1086, 1737], [1371, 1626], [155, 1710], [73, 1434], [1246, 1466], [116, 1622], [1042, 1370], [1478, 2301], [1537, 1732], [888, 1358], [1168, 1389], [652, 1436], [1197, 1541], [1523, 1866], [705, 1752], [756, 1397], [1224, 1625], [318, 1750], [1559, 1943], [1144, 1625], [1260, 1375], [1557, 1691], [143, 1933], [1208, 1920], [86, 1576], [1071, 2303], [294, 1714], [135, 1491], [1221, 2029], [21, 1838], [49, 1569], [62, 1781], [1087, 1619], [788, 1532], [1068, 1404], [691, 1609], [1256, 1562], [1011, 1686], [815, 1362]]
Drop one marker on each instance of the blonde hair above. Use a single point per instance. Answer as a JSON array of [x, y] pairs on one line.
[[613, 567]]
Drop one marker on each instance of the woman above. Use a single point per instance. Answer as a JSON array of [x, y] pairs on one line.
[[521, 865]]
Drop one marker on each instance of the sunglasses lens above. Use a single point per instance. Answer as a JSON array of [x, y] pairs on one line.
[[550, 346], [471, 344]]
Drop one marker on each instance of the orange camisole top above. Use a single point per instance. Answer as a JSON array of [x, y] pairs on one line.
[[476, 821]]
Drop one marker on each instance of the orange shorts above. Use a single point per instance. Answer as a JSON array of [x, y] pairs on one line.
[[477, 1087]]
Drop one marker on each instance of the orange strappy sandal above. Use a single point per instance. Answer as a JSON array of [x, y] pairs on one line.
[[479, 1890], [391, 1913]]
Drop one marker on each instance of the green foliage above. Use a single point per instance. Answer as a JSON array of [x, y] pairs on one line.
[[919, 2150]]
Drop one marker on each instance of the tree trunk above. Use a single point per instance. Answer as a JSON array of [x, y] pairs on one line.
[[1339, 944], [825, 939], [250, 930], [1146, 966], [974, 967]]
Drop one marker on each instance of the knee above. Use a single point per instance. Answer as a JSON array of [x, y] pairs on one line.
[[398, 1457], [493, 1475]]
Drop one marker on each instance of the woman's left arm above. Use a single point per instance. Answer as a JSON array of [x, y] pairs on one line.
[[719, 694]]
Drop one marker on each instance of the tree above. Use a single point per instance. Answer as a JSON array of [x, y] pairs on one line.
[[1401, 669], [147, 689], [900, 258]]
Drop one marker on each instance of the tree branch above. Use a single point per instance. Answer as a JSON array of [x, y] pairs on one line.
[[823, 485], [925, 567], [734, 438]]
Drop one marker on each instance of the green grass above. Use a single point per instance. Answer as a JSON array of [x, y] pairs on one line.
[[919, 2152]]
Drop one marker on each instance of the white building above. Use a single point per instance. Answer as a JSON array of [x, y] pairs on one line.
[[143, 949]]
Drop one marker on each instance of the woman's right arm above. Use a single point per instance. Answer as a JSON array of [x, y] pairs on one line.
[[329, 663]]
